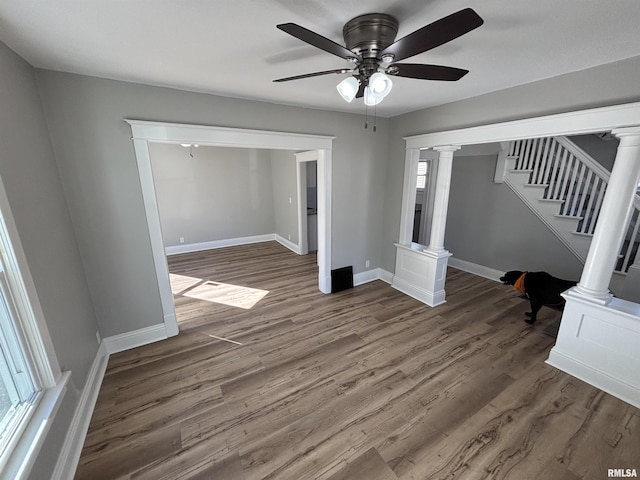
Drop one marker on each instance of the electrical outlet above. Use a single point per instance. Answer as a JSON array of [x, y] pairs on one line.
[[290, 200], [98, 337], [366, 264], [289, 236], [181, 239]]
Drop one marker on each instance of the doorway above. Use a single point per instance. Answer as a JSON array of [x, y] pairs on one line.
[[144, 132], [307, 173]]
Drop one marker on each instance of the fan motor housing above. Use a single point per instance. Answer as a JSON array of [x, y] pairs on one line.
[[367, 35]]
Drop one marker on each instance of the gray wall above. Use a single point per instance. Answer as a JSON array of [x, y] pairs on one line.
[[489, 225], [32, 183], [284, 182], [98, 168], [610, 84], [603, 151], [219, 193], [81, 217]]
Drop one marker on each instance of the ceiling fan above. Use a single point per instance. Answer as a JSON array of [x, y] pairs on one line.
[[372, 48]]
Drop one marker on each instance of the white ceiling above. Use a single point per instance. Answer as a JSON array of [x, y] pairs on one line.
[[233, 48]]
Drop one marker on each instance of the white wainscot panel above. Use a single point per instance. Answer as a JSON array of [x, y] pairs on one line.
[[421, 274], [600, 344]]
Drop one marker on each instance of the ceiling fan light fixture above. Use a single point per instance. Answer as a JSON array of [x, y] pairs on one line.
[[348, 88], [369, 99], [379, 85]]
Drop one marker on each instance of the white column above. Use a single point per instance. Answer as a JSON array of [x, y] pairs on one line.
[[412, 157], [441, 199], [613, 219]]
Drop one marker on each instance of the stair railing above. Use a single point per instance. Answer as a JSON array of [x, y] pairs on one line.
[[578, 182]]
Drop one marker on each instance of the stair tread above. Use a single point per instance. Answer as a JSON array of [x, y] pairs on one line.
[[564, 226], [568, 217]]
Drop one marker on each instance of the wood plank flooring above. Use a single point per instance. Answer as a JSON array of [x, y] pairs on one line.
[[280, 381]]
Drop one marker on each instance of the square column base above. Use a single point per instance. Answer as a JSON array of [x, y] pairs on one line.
[[599, 344], [421, 274]]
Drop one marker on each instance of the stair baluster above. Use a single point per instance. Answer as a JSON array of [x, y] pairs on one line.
[[571, 176]]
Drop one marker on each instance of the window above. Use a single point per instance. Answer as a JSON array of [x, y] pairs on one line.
[[422, 174], [31, 384], [17, 388]]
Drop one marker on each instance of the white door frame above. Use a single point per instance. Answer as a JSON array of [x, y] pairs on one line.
[[144, 132], [301, 173]]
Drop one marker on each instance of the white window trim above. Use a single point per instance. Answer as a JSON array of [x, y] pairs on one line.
[[38, 414]]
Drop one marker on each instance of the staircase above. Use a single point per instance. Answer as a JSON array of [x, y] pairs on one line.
[[565, 187]]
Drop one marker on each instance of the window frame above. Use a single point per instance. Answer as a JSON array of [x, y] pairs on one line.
[[33, 418], [422, 175]]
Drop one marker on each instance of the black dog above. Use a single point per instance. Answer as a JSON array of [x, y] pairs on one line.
[[541, 288]]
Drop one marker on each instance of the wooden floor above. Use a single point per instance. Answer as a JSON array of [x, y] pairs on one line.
[[283, 382]]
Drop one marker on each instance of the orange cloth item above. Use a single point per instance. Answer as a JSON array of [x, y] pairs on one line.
[[519, 285]]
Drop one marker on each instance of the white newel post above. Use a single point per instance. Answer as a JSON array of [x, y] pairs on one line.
[[421, 272], [613, 219], [599, 334]]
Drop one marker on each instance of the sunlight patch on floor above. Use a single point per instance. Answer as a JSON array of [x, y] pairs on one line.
[[181, 283], [216, 292], [227, 294]]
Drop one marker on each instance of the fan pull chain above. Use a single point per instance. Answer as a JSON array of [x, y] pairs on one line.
[[375, 117], [366, 123]]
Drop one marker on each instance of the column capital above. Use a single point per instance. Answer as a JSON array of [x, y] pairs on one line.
[[446, 148], [626, 132]]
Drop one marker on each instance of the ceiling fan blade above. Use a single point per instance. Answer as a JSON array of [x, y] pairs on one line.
[[435, 34], [318, 41], [315, 74], [426, 72]]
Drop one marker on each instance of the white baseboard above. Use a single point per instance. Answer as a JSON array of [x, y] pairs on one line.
[[371, 275], [365, 277], [231, 242], [476, 269], [385, 276], [171, 325], [137, 338], [295, 248], [72, 447]]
